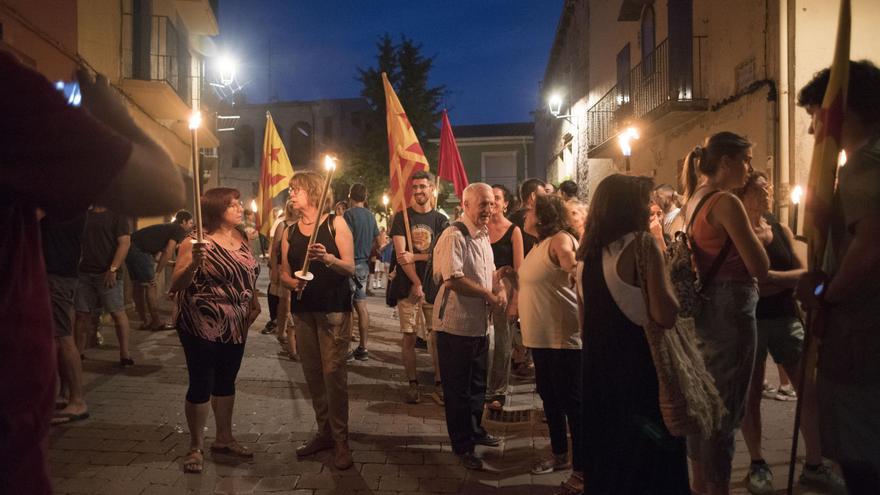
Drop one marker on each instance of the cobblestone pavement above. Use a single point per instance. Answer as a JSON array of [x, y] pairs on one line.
[[137, 431]]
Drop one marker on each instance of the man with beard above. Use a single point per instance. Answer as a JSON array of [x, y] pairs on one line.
[[413, 283]]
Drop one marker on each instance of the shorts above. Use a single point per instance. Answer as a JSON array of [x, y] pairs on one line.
[[141, 266], [62, 290], [361, 272], [783, 337], [379, 267], [407, 314], [91, 294]]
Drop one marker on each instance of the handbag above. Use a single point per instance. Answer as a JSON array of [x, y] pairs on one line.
[[689, 401]]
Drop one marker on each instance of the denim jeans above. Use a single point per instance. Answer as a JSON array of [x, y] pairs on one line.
[[727, 330]]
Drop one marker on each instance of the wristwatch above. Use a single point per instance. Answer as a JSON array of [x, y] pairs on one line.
[[113, 269]]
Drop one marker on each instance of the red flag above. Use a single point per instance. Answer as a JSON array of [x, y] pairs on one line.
[[451, 168], [404, 150]]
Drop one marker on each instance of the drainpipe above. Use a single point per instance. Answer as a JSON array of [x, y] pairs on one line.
[[783, 172]]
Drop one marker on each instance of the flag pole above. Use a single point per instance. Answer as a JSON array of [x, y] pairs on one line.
[[401, 182], [823, 169]]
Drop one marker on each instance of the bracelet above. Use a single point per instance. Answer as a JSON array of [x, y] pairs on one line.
[[330, 264]]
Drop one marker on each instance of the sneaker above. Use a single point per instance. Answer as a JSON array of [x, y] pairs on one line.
[[769, 391], [553, 463], [823, 477], [759, 481], [470, 461], [421, 343], [269, 328], [488, 440], [437, 395], [126, 362], [786, 393], [349, 358], [361, 354], [412, 394]]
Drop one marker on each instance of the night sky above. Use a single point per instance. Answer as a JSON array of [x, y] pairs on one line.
[[490, 54]]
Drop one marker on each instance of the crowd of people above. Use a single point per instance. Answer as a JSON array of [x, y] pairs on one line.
[[573, 291]]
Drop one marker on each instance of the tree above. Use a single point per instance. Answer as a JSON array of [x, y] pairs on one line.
[[408, 72]]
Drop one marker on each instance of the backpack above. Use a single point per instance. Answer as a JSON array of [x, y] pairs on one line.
[[683, 272]]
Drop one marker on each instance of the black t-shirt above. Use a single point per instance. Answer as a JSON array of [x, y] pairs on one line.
[[99, 240], [425, 228], [154, 238], [61, 244], [519, 219]]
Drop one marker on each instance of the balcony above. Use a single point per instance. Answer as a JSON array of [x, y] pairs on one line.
[[200, 16], [657, 87]]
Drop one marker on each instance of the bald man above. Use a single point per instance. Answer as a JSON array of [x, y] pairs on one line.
[[470, 291]]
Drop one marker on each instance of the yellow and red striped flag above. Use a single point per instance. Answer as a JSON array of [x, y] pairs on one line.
[[826, 149], [405, 152], [275, 174]]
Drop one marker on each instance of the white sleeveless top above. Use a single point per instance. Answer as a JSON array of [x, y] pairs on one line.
[[628, 297], [548, 310]]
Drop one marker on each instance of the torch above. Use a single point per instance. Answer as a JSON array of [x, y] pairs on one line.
[[796, 195], [305, 274], [195, 121]]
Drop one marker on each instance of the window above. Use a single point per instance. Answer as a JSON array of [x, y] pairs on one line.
[[243, 156], [499, 167], [328, 128], [647, 39], [623, 76], [300, 149]]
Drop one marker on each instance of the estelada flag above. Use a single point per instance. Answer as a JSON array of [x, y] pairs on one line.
[[826, 149], [451, 167], [405, 152], [275, 174], [823, 169]]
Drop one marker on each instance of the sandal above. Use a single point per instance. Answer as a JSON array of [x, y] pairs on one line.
[[194, 461], [234, 449], [496, 404], [569, 488]]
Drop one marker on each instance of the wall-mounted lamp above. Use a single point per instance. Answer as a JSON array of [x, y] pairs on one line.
[[554, 104], [625, 140]]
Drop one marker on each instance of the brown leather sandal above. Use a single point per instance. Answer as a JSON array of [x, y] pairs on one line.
[[194, 461]]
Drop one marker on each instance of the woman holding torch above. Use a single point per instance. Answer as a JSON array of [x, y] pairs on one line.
[[317, 260], [214, 283]]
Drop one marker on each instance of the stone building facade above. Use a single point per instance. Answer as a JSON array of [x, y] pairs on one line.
[[681, 70]]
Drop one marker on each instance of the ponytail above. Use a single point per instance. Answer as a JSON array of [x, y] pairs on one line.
[[707, 158], [689, 175]]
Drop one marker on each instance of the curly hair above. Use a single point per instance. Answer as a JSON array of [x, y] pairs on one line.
[[551, 215]]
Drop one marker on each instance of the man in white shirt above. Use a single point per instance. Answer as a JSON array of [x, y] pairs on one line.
[[463, 258]]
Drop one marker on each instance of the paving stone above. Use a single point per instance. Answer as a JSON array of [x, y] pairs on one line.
[[277, 483]]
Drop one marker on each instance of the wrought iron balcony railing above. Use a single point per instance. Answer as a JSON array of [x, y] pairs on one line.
[[656, 85]]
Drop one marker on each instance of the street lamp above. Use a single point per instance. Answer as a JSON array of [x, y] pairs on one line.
[[195, 121], [226, 67], [554, 104], [625, 141]]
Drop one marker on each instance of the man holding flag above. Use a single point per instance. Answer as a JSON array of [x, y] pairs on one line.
[[846, 293], [414, 232]]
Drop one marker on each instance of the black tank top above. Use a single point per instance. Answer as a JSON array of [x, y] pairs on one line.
[[328, 292], [781, 255], [502, 249]]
